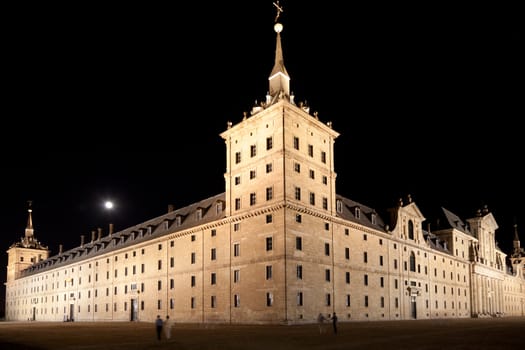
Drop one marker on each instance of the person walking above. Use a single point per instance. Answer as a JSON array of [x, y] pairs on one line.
[[158, 326], [320, 322], [334, 322], [167, 327]]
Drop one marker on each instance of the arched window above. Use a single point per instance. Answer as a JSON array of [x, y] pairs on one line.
[[412, 262], [410, 229]]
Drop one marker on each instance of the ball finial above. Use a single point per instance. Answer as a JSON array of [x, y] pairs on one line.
[[278, 27]]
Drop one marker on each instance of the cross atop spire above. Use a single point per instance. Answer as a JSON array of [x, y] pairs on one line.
[[279, 10]]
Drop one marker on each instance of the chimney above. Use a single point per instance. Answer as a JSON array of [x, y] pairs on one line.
[[81, 241], [92, 236], [99, 234], [60, 249], [171, 208], [110, 229]]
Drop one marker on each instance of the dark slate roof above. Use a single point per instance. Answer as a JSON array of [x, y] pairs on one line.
[[171, 222], [348, 212], [447, 219], [435, 243]]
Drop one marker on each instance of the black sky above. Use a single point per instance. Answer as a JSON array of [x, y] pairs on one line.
[[128, 103]]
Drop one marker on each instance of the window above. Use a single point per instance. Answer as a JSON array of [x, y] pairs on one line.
[[366, 280], [252, 198], [213, 232], [410, 229], [236, 227], [327, 275], [237, 203], [300, 272], [213, 278], [298, 193], [348, 300], [252, 174], [236, 276], [310, 150], [269, 193], [299, 243], [237, 157], [236, 300], [357, 212], [327, 249], [269, 299], [193, 303], [193, 257], [236, 249], [380, 260], [347, 277], [366, 300], [325, 180], [269, 243], [325, 203], [312, 198], [347, 253], [269, 168], [172, 283], [328, 299], [253, 150], [299, 298], [382, 282], [296, 142], [365, 257], [323, 157], [412, 262], [269, 143], [269, 272], [237, 180], [297, 167], [213, 253], [193, 281], [298, 218], [311, 173], [159, 265], [159, 285]]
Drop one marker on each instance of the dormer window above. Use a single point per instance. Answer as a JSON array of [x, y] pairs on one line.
[[166, 224], [373, 218], [339, 206], [357, 212], [178, 220], [198, 213], [218, 207]]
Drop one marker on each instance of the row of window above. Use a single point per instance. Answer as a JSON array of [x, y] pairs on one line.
[[269, 146]]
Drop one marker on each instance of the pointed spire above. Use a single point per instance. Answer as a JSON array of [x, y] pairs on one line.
[[516, 243], [279, 78], [29, 228]]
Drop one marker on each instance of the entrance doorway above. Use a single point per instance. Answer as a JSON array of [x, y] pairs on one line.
[[134, 310], [413, 307]]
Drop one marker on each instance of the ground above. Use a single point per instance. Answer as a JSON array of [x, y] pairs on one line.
[[493, 333]]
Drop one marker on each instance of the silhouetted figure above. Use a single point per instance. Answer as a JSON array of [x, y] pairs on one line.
[[334, 322], [158, 326]]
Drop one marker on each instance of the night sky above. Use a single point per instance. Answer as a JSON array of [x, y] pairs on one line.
[[127, 103]]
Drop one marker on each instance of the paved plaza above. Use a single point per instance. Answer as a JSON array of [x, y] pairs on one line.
[[487, 333]]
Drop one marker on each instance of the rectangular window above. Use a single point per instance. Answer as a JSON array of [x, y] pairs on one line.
[[253, 174], [300, 272], [193, 303], [327, 249], [300, 299], [347, 277], [325, 203], [253, 150], [298, 193], [298, 218], [213, 278], [193, 281], [366, 300], [269, 272], [159, 264], [172, 283], [237, 157], [193, 258], [381, 260], [382, 282], [269, 168], [269, 218], [366, 280], [365, 257], [312, 198], [237, 203], [236, 300], [296, 142], [213, 301], [269, 299], [236, 249], [236, 226], [325, 180], [327, 275], [213, 254], [328, 299], [299, 243], [347, 253], [269, 143], [269, 243], [269, 193], [323, 157], [237, 180], [297, 167], [311, 174], [348, 300], [310, 150], [236, 276], [159, 285]]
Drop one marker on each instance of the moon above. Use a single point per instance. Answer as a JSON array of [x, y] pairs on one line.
[[108, 205]]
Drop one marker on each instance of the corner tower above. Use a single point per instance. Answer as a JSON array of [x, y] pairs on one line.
[[25, 253]]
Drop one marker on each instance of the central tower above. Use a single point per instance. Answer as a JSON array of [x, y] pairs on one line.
[[280, 190]]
